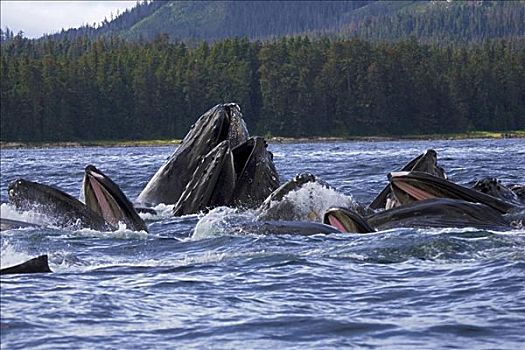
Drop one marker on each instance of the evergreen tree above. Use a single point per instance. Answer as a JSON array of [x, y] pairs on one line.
[[109, 88]]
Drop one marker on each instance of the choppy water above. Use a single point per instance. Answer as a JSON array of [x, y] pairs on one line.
[[402, 288]]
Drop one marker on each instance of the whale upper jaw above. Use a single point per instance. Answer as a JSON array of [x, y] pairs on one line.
[[106, 198], [220, 123], [413, 186]]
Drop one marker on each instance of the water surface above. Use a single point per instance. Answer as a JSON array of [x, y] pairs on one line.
[[402, 288]]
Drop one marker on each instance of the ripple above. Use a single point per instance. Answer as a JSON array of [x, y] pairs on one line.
[[401, 288]]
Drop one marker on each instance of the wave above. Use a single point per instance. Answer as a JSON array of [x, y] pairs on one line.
[[122, 232], [9, 256], [221, 221]]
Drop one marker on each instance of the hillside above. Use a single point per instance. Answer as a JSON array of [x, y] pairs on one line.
[[415, 68], [429, 21]]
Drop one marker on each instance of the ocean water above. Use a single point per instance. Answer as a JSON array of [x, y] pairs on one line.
[[219, 289]]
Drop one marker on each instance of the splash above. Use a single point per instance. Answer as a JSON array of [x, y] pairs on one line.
[[8, 211], [121, 233], [308, 203], [164, 211], [9, 256], [221, 221]]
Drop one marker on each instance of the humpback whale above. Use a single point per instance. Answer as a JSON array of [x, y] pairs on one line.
[[10, 224], [238, 177], [256, 176], [106, 205], [305, 198], [106, 198], [428, 213], [425, 162], [347, 220], [60, 207], [279, 205], [220, 123], [414, 186], [493, 187], [294, 184], [287, 227], [35, 265], [214, 185]]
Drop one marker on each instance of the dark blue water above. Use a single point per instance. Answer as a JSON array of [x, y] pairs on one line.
[[402, 288]]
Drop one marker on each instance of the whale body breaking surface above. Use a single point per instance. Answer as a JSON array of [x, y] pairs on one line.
[[219, 165]]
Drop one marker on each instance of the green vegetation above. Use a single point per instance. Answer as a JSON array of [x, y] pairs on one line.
[[471, 135], [271, 139], [102, 143], [151, 71], [439, 21], [429, 21], [111, 89]]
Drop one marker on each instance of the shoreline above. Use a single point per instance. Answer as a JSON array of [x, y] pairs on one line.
[[276, 140]]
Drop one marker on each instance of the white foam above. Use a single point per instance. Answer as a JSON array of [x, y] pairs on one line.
[[8, 211], [122, 233], [310, 202], [10, 257], [220, 221], [164, 211], [459, 230]]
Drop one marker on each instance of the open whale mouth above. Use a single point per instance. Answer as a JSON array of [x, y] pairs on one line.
[[221, 123], [212, 183], [242, 155], [255, 173], [243, 175], [99, 198], [104, 197], [404, 186], [417, 186], [338, 222], [346, 221], [425, 162]]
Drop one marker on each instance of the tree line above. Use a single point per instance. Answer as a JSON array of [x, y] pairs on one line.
[[195, 21], [440, 21], [111, 89]]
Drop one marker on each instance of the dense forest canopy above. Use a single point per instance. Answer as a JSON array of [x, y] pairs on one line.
[[323, 68], [110, 88]]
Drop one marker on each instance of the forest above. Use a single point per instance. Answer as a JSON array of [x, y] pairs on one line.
[[195, 21], [108, 88]]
